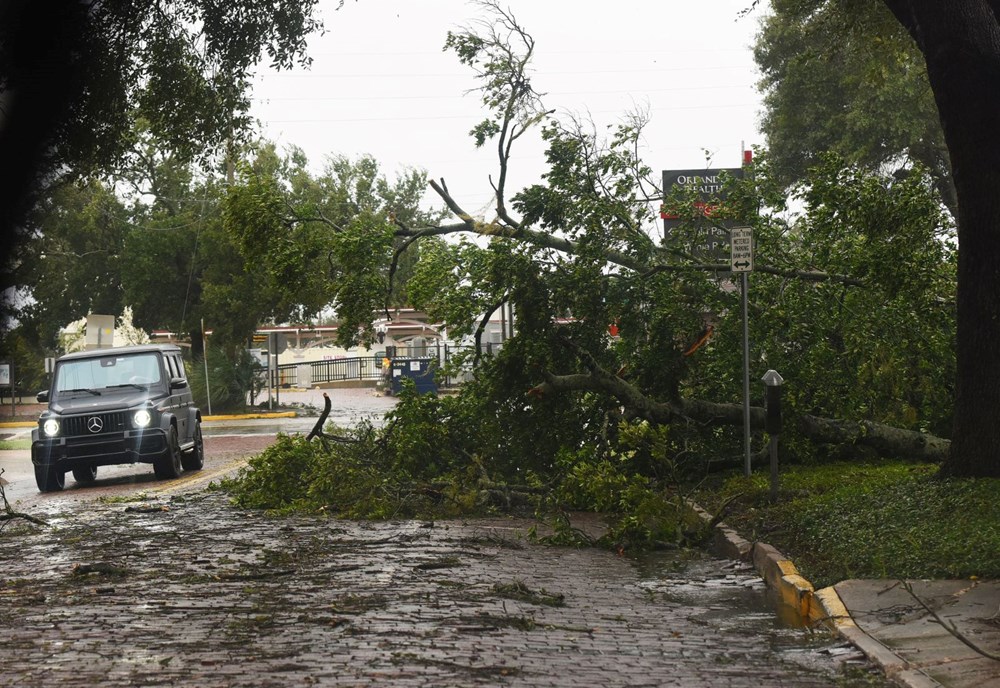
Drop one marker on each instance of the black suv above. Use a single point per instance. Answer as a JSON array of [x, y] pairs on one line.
[[129, 404]]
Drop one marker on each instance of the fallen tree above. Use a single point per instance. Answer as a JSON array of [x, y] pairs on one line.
[[884, 439], [852, 299]]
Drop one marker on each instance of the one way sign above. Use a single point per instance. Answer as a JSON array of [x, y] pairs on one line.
[[741, 245]]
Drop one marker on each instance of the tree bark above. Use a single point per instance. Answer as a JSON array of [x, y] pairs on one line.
[[960, 41], [884, 439]]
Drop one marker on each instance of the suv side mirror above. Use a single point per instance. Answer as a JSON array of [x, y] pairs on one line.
[[178, 383], [42, 397]]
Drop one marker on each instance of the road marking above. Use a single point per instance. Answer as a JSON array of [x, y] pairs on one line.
[[193, 480], [250, 416]]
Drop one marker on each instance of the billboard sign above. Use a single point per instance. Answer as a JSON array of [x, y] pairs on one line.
[[711, 239]]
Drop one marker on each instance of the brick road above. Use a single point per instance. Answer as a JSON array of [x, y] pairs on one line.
[[188, 591]]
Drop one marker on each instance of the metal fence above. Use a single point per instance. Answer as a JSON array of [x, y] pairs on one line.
[[369, 368], [344, 369], [337, 370], [288, 376]]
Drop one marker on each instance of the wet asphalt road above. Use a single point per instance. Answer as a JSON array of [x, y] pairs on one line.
[[227, 443]]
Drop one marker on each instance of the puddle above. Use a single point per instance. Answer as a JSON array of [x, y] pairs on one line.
[[732, 600]]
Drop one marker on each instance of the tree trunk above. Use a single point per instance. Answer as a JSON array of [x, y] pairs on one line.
[[960, 40], [884, 439]]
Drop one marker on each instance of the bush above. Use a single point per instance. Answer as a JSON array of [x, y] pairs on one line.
[[232, 379]]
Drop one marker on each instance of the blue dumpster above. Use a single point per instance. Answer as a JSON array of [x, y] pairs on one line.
[[420, 370]]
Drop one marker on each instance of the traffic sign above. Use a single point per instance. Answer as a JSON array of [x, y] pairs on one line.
[[741, 249]]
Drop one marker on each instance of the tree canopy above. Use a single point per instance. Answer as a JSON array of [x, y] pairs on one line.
[[76, 76], [582, 250], [844, 76], [623, 375], [957, 46], [192, 247]]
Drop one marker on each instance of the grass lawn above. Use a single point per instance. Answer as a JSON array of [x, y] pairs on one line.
[[15, 444], [868, 520]]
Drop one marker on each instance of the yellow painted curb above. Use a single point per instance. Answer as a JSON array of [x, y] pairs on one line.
[[797, 593], [829, 610], [781, 576], [251, 416], [18, 424]]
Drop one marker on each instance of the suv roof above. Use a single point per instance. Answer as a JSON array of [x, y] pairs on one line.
[[134, 349]]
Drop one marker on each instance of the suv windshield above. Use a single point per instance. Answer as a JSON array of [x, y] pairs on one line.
[[95, 374]]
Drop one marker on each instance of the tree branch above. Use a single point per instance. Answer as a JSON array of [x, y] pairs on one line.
[[545, 240], [8, 511], [482, 328], [948, 625]]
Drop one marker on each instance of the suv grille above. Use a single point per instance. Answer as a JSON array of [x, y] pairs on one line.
[[85, 425]]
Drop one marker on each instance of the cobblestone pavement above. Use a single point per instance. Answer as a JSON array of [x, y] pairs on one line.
[[188, 591]]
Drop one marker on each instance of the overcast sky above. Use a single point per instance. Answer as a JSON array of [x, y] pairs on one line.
[[380, 84]]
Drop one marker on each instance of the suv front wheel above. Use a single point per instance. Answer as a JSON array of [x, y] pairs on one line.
[[85, 475], [169, 465], [49, 478]]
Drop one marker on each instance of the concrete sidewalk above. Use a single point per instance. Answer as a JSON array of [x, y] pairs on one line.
[[901, 625], [922, 633]]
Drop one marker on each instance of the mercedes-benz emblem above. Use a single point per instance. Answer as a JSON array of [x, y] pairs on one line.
[[95, 424]]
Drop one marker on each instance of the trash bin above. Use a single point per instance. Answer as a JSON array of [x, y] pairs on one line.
[[420, 370]]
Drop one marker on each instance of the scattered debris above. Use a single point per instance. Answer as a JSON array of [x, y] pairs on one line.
[[522, 593]]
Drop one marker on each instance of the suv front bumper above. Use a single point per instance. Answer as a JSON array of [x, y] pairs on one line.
[[129, 446]]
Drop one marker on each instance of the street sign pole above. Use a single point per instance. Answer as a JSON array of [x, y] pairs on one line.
[[746, 376], [741, 261], [204, 354]]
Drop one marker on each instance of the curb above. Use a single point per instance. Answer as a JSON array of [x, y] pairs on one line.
[[250, 416], [813, 606]]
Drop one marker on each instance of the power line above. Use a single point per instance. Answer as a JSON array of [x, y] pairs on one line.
[[466, 75], [466, 117], [648, 51], [266, 99]]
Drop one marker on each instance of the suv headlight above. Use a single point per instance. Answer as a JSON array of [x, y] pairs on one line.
[[142, 418], [50, 427]]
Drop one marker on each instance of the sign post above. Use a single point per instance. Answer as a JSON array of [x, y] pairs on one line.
[[707, 188], [741, 261], [204, 354], [274, 348], [7, 380]]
